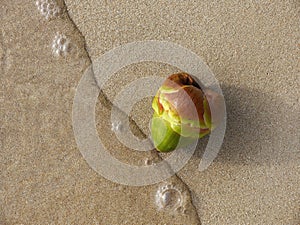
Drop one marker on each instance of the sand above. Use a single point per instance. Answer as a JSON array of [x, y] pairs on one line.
[[251, 47]]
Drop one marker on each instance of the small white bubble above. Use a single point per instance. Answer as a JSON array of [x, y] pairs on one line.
[[54, 45], [44, 5], [116, 126], [62, 40], [57, 52], [64, 48], [51, 6], [148, 162], [55, 13], [169, 197]]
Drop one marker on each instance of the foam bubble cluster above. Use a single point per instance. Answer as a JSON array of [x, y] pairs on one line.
[[48, 8], [61, 45], [169, 197]]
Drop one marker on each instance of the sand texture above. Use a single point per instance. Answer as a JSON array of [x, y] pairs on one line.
[[251, 46]]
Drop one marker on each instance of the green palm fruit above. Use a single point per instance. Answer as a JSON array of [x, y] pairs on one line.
[[182, 113]]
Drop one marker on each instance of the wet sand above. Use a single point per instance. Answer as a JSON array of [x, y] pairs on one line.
[[252, 48]]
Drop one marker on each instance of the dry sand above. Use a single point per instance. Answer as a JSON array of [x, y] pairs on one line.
[[251, 46]]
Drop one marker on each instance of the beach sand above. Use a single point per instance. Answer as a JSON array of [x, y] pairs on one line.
[[252, 47]]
